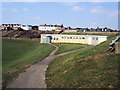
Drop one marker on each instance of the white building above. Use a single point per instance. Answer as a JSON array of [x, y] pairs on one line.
[[16, 26], [46, 27], [26, 27], [64, 38]]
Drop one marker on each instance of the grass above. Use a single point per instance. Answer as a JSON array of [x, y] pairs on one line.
[[91, 67], [110, 34], [20, 54], [68, 47]]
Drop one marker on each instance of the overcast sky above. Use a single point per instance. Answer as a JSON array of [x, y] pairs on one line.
[[74, 14]]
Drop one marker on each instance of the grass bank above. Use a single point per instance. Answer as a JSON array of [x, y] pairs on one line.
[[20, 54], [93, 67], [68, 47]]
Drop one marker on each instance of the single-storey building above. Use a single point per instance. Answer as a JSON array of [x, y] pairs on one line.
[[64, 38], [50, 27]]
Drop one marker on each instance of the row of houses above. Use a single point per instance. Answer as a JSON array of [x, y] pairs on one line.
[[15, 27], [50, 27], [98, 29], [43, 27]]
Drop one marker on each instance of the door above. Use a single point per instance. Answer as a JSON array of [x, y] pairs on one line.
[[48, 39]]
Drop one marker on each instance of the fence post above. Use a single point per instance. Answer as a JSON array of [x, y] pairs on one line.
[[117, 47]]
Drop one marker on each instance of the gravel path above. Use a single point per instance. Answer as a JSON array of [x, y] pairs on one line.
[[34, 76]]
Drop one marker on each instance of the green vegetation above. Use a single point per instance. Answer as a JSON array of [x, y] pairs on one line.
[[68, 47], [20, 54], [92, 67], [93, 33]]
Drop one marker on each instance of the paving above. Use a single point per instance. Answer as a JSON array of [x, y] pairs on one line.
[[34, 76]]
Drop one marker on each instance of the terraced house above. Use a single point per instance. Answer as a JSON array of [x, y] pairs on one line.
[[10, 26], [64, 38]]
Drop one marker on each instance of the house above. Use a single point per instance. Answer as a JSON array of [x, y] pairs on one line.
[[35, 27], [64, 38], [70, 30], [26, 27], [15, 27], [10, 26], [50, 27]]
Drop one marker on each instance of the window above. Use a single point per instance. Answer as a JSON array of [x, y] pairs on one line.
[[76, 37], [95, 38], [62, 37], [24, 25], [56, 38], [83, 37], [67, 37], [79, 37], [70, 37]]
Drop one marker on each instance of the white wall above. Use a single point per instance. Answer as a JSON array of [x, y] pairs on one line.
[[43, 28], [26, 27], [101, 39], [88, 39]]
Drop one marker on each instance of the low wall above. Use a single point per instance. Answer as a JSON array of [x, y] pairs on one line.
[[117, 47]]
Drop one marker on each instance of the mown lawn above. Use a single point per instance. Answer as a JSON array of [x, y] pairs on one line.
[[20, 54], [92, 67], [68, 47]]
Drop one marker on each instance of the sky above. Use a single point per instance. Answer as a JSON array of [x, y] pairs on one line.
[[75, 14]]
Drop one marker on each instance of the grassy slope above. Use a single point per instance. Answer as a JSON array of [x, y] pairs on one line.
[[94, 67], [20, 54], [68, 47]]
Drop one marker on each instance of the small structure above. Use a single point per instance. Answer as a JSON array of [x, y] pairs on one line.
[[64, 38]]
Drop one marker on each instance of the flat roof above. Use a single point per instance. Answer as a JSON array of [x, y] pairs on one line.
[[70, 35]]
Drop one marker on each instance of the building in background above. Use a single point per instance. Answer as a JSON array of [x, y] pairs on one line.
[[70, 30], [83, 39], [10, 26], [15, 27], [50, 27], [26, 27]]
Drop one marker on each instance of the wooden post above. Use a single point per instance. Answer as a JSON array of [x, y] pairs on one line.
[[117, 47]]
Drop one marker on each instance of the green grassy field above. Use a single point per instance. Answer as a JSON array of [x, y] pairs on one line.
[[20, 54], [92, 67], [68, 47]]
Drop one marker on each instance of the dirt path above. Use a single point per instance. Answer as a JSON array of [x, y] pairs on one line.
[[34, 76]]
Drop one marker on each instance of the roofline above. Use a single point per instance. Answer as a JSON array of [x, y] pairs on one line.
[[72, 35]]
